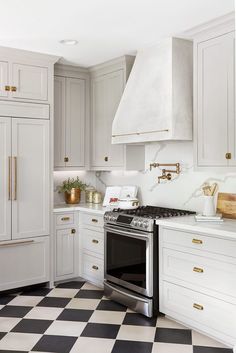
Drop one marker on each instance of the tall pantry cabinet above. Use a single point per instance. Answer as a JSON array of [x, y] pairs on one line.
[[26, 116]]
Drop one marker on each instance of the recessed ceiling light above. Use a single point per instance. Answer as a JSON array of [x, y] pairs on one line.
[[69, 41]]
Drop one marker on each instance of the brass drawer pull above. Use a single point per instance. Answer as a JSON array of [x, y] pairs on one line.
[[106, 159], [198, 306], [197, 241], [65, 218], [73, 231], [13, 88], [198, 269], [95, 267], [7, 88], [94, 220], [95, 241], [66, 159]]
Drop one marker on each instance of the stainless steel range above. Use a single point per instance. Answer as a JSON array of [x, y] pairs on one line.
[[131, 256]]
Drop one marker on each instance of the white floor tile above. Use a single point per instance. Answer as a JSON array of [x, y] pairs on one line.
[[201, 340], [92, 345], [63, 293], [91, 286], [107, 317], [136, 333], [44, 313], [19, 341], [81, 303], [7, 323], [66, 328], [159, 347], [163, 321], [26, 300]]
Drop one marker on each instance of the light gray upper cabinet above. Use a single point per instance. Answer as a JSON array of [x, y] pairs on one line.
[[214, 112], [4, 78], [108, 81], [70, 124]]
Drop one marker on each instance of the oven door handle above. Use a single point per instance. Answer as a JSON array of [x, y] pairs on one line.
[[127, 233]]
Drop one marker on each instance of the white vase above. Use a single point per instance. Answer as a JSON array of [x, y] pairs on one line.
[[209, 206]]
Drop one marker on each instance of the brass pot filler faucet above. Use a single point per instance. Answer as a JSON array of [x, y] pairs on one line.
[[166, 173]]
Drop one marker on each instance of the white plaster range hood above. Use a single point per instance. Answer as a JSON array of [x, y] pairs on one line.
[[157, 101]]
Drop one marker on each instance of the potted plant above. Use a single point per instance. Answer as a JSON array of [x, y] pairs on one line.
[[72, 188]]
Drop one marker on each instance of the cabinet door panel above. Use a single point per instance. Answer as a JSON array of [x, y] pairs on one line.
[[214, 89], [65, 247], [59, 121], [3, 78], [31, 82], [31, 177], [106, 94], [5, 177], [75, 122]]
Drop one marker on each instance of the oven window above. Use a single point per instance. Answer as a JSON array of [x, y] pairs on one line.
[[126, 259]]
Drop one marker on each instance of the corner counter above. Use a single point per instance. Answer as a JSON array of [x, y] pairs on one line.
[[86, 207]]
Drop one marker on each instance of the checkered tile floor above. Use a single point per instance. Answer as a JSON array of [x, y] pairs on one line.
[[75, 317]]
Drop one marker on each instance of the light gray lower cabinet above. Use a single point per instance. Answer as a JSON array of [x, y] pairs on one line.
[[92, 247], [66, 246]]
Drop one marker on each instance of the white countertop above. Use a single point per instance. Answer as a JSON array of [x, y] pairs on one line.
[[86, 207], [188, 223]]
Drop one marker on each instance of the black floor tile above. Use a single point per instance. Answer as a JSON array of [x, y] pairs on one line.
[[2, 334], [41, 292], [32, 326], [132, 347], [5, 299], [89, 294], [201, 349], [57, 344], [170, 335], [75, 315], [139, 320], [14, 311], [111, 306], [72, 284], [100, 330], [54, 302]]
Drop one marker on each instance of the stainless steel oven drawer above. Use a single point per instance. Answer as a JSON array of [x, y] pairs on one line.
[[132, 300]]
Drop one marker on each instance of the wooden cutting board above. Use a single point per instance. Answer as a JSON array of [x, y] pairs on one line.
[[226, 204]]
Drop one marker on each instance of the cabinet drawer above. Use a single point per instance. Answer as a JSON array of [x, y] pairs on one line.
[[205, 310], [93, 241], [24, 262], [200, 271], [64, 219], [93, 268], [199, 242], [92, 220]]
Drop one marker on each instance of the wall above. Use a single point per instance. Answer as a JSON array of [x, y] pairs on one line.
[[184, 191]]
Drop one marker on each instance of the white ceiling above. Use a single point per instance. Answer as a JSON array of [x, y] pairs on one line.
[[105, 29]]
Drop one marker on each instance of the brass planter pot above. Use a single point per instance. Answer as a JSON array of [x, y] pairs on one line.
[[73, 196]]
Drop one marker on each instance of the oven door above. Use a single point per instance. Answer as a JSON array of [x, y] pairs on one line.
[[129, 259]]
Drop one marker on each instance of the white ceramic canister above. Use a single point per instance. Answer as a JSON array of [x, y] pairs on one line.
[[209, 206]]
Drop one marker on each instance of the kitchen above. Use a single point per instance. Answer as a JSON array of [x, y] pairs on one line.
[[120, 117]]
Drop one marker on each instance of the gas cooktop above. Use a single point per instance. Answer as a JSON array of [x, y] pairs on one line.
[[154, 212]]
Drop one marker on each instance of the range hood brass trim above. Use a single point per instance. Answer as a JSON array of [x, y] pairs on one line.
[[141, 133]]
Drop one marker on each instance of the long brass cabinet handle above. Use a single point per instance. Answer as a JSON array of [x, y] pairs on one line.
[[197, 241], [198, 269], [15, 179], [198, 306], [9, 178]]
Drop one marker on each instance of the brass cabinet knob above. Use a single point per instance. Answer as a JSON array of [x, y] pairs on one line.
[[66, 159], [7, 88], [73, 231], [13, 88], [95, 267], [228, 155], [106, 159]]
